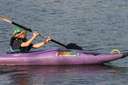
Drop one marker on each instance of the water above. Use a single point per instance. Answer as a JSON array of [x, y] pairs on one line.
[[63, 75], [96, 25]]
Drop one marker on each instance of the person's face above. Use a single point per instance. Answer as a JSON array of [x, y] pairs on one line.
[[21, 35]]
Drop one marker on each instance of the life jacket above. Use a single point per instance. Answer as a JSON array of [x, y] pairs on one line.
[[15, 44]]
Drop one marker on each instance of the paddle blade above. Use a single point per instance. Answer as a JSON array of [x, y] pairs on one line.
[[6, 19], [74, 46]]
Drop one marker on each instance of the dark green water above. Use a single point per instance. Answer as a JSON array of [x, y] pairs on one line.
[[96, 25]]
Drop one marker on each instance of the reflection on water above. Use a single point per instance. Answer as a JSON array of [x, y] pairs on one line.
[[63, 75]]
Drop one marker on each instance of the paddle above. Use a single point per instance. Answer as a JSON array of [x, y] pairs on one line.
[[69, 46], [7, 19]]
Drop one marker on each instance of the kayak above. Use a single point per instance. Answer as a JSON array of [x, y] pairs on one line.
[[58, 57]]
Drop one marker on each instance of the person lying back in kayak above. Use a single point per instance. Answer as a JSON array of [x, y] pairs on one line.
[[20, 43]]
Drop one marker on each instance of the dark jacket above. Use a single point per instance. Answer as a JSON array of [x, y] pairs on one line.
[[15, 44]]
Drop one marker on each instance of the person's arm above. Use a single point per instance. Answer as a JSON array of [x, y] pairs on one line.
[[41, 44], [27, 43]]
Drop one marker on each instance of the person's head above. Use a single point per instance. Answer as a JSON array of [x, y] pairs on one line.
[[19, 33]]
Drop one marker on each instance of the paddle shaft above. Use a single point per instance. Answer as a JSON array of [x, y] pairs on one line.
[[59, 43], [25, 28]]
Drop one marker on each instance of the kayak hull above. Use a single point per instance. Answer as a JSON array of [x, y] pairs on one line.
[[57, 57]]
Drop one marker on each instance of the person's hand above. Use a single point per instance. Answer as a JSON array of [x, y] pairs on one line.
[[46, 41], [35, 34]]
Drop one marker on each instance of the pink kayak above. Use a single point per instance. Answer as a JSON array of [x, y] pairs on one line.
[[57, 57]]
